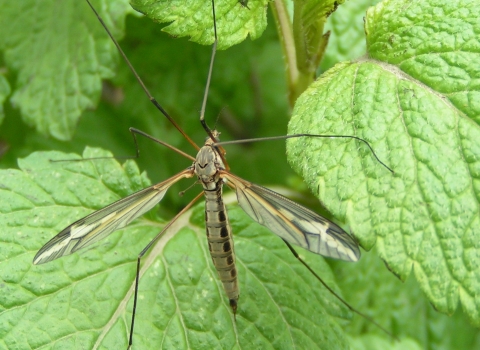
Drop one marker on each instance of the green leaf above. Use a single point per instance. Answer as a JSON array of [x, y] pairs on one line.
[[233, 20], [309, 20], [415, 100], [84, 300]]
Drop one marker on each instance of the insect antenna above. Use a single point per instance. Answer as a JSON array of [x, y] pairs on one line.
[[351, 308], [140, 81], [133, 131], [150, 137]]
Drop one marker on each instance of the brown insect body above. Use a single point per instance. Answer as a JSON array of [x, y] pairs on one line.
[[208, 166]]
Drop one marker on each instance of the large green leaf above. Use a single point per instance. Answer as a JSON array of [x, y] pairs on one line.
[[415, 98], [84, 300]]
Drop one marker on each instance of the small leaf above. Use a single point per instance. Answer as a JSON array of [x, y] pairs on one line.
[[415, 100], [234, 21], [84, 300], [308, 23]]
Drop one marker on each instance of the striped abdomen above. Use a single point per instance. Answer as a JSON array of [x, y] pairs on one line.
[[220, 242]]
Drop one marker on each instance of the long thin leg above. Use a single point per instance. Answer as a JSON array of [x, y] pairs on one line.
[[142, 253], [284, 137], [221, 151], [140, 81], [351, 308], [209, 77]]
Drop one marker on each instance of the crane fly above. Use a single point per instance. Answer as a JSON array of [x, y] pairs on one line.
[[290, 221]]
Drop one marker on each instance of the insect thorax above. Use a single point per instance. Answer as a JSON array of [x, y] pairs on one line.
[[207, 165]]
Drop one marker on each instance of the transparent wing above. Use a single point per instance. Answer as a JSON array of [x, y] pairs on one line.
[[292, 222], [101, 223]]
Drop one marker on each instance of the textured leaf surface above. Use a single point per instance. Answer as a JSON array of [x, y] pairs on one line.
[[416, 100], [84, 300]]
